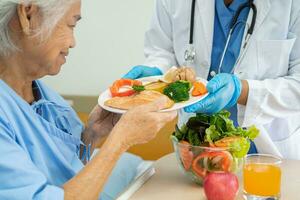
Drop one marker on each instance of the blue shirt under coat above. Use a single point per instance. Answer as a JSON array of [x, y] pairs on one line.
[[222, 22]]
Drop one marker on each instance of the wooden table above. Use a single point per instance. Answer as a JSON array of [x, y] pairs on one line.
[[170, 183]]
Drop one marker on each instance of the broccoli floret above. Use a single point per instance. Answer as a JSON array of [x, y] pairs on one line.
[[178, 91]]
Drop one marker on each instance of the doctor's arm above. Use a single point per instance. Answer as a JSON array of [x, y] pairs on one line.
[[159, 49], [277, 97], [260, 101], [158, 44]]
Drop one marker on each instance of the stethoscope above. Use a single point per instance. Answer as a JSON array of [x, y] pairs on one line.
[[190, 53]]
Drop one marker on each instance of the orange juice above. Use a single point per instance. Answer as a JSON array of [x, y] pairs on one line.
[[262, 179]]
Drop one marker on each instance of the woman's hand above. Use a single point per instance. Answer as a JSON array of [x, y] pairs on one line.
[[225, 90], [100, 124], [141, 124]]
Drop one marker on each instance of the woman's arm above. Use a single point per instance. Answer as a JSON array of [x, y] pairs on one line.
[[90, 181], [137, 126]]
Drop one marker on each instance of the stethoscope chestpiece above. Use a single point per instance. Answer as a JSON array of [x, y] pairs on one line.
[[190, 54]]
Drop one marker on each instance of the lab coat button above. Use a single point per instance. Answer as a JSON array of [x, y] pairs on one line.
[[213, 73]]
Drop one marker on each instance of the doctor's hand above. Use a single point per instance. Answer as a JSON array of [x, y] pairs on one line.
[[141, 124], [141, 71], [224, 92]]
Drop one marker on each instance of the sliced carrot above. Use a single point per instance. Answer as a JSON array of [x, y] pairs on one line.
[[226, 142], [186, 155], [199, 89]]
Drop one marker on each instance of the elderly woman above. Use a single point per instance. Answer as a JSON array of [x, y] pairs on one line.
[[43, 145]]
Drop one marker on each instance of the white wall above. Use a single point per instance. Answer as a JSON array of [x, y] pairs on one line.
[[110, 39]]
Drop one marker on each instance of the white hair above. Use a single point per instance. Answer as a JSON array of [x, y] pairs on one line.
[[51, 10]]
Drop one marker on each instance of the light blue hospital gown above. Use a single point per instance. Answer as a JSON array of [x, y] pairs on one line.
[[39, 147]]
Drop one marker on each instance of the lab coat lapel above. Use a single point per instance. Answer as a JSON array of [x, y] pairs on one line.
[[263, 7], [207, 15]]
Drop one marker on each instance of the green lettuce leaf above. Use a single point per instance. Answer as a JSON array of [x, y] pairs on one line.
[[251, 133], [240, 147], [212, 134]]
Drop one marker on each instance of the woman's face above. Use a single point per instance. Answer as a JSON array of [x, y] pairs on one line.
[[47, 57], [56, 49]]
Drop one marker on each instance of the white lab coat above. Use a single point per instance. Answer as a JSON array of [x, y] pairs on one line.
[[271, 63]]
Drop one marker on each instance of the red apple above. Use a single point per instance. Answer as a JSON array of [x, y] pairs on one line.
[[221, 186]]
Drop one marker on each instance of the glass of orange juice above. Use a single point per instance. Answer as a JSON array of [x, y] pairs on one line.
[[262, 177]]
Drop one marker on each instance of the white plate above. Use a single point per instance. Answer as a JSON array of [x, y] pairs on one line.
[[106, 95]]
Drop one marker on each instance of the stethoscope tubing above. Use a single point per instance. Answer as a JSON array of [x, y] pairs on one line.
[[191, 41], [250, 4]]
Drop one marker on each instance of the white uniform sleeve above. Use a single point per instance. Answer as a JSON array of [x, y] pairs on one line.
[[20, 179], [279, 97], [158, 49]]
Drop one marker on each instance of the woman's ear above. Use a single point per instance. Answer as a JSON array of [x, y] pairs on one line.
[[27, 17]]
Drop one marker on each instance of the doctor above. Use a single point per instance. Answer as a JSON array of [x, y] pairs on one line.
[[250, 53]]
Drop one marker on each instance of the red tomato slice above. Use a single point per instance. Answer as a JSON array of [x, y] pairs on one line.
[[115, 88], [186, 155], [226, 161]]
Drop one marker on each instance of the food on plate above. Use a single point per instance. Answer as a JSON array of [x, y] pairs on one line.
[[221, 186], [211, 144], [176, 85], [170, 75], [138, 88], [117, 90], [178, 91], [198, 89], [158, 86], [141, 98], [186, 74], [182, 73]]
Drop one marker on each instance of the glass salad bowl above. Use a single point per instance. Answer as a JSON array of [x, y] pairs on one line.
[[198, 161], [211, 143]]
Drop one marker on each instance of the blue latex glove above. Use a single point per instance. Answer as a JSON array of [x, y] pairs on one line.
[[141, 71], [224, 92]]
